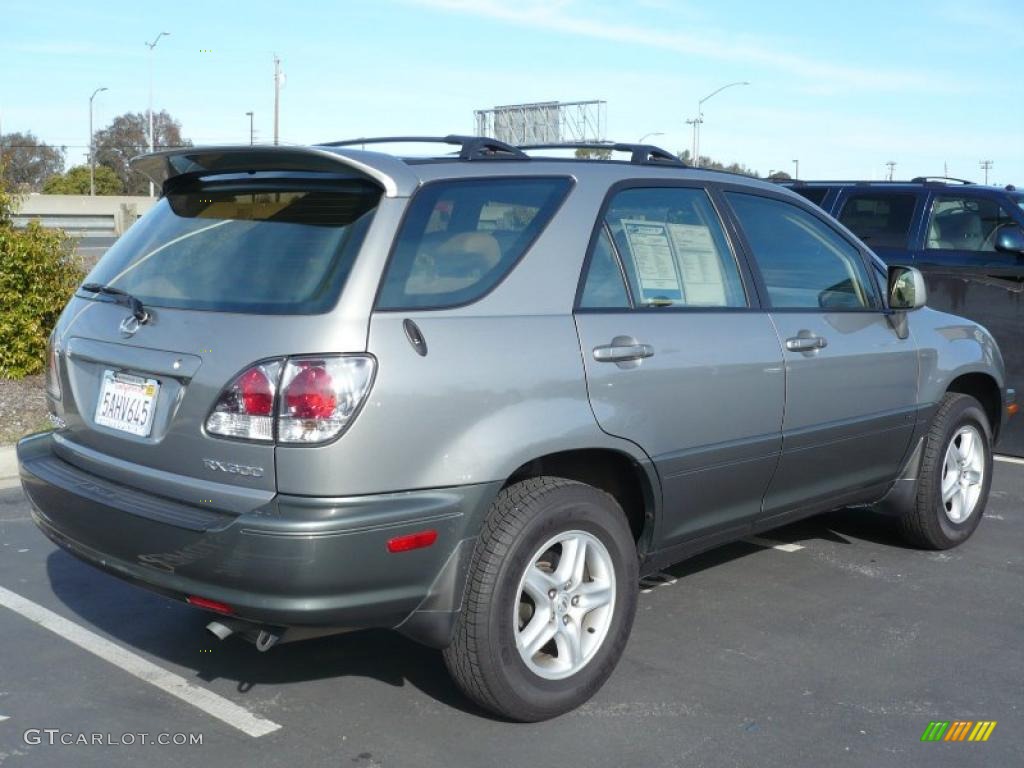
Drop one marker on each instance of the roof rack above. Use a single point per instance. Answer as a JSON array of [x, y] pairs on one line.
[[470, 147], [922, 179], [640, 154]]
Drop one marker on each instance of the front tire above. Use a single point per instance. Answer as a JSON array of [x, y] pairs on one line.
[[550, 600], [954, 478]]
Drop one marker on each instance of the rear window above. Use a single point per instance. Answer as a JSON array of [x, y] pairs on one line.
[[880, 219], [283, 248], [460, 238]]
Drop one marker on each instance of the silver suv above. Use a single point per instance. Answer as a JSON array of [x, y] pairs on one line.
[[476, 397]]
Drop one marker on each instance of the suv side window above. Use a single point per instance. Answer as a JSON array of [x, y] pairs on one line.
[[880, 219], [460, 238], [964, 223], [805, 263], [815, 194], [672, 248], [604, 287]]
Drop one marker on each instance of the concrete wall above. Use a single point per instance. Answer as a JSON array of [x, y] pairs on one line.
[[82, 215]]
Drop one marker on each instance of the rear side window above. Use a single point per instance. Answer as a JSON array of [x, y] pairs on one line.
[[879, 219], [244, 247], [804, 262], [460, 238], [672, 249], [815, 194]]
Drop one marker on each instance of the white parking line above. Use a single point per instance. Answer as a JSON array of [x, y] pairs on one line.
[[4, 717], [772, 544], [652, 581], [209, 702], [1009, 459]]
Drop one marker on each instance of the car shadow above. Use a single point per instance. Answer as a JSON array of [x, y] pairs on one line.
[[175, 633], [842, 526]]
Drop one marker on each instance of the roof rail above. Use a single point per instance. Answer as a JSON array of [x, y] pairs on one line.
[[470, 147], [640, 154], [923, 179]]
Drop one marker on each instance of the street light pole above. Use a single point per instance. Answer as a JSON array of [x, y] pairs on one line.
[[700, 119], [251, 142], [151, 47], [92, 148], [796, 169], [648, 135]]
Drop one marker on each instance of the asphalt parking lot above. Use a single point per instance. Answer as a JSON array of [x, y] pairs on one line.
[[826, 643]]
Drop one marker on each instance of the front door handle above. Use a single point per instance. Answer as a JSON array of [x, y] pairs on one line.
[[623, 349], [806, 343]]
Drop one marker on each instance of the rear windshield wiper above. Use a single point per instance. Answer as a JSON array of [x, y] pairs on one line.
[[120, 297]]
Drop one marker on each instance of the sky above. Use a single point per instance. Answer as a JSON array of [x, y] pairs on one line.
[[935, 86]]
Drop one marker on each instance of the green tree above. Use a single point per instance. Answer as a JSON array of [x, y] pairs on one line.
[[76, 182], [128, 136], [28, 162], [584, 153], [38, 274], [714, 165]]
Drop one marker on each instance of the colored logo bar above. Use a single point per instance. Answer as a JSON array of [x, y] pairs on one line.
[[958, 730]]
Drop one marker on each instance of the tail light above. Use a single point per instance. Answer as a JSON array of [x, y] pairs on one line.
[[298, 400], [245, 407], [52, 369], [320, 396]]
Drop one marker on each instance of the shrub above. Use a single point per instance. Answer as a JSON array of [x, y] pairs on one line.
[[38, 274], [76, 182]]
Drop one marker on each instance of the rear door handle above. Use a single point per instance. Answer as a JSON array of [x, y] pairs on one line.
[[621, 350], [806, 343]]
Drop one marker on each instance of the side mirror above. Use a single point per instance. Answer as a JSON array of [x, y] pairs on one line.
[[1010, 239], [906, 288]]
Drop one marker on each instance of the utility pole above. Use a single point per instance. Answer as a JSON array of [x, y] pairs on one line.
[[892, 167], [92, 148], [251, 141], [151, 47], [986, 166], [277, 94], [796, 169], [693, 153]]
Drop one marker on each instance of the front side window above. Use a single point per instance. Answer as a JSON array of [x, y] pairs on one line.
[[460, 238], [881, 220], [962, 223], [672, 248], [805, 263]]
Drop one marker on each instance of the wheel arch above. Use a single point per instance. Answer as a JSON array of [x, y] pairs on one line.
[[985, 389], [633, 484]]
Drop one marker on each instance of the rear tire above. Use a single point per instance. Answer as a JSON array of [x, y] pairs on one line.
[[535, 640], [954, 478]]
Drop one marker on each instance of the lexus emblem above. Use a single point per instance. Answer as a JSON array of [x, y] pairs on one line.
[[129, 325]]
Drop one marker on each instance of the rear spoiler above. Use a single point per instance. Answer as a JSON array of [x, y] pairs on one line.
[[391, 173]]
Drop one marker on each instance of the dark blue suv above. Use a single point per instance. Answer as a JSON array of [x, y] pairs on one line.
[[967, 239]]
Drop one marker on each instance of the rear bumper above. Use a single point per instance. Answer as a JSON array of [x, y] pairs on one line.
[[296, 561]]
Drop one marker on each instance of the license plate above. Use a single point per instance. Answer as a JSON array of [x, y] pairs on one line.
[[127, 403]]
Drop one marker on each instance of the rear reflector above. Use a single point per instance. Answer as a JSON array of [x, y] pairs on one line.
[[1012, 409], [210, 605], [412, 541]]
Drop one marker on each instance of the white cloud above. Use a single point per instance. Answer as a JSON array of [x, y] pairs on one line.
[[566, 17]]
